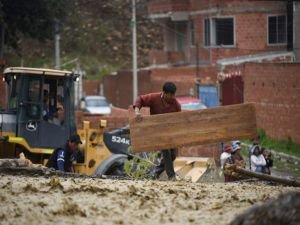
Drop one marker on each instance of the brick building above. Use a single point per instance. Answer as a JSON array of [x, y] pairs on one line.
[[211, 38], [207, 44], [275, 90]]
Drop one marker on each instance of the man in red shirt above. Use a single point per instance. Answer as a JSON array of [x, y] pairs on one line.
[[161, 102]]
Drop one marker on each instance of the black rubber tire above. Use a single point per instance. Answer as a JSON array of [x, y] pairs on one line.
[[106, 165]]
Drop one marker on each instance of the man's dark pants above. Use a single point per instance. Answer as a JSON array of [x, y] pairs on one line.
[[168, 156]]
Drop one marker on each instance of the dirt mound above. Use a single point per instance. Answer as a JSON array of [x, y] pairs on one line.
[[42, 200]]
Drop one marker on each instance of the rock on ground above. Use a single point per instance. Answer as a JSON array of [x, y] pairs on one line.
[[283, 210]]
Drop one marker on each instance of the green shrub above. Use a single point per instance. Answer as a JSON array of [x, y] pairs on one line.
[[285, 146], [140, 168]]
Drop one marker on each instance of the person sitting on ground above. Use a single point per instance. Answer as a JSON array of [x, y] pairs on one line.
[[258, 161], [62, 157], [269, 161]]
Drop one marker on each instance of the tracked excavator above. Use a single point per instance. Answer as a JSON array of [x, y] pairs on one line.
[[40, 117]]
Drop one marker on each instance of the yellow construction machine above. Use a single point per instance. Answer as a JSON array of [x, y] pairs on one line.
[[40, 117]]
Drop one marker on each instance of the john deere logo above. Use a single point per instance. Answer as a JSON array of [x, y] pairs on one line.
[[31, 126]]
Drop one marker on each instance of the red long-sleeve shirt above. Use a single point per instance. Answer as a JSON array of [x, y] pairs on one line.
[[156, 104]]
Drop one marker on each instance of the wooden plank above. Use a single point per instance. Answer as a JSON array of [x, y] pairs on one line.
[[189, 128], [262, 176]]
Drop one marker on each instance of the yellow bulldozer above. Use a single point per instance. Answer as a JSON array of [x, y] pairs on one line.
[[40, 117]]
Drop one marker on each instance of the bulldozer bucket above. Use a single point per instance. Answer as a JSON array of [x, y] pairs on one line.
[[191, 168]]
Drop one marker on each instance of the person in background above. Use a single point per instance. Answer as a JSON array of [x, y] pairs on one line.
[[236, 142], [225, 155], [269, 161], [46, 112], [159, 103], [226, 158], [62, 157], [255, 143], [238, 159], [58, 118], [258, 161]]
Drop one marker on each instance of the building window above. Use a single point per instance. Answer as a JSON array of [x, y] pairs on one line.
[[207, 32], [219, 32], [180, 34], [192, 33], [277, 29]]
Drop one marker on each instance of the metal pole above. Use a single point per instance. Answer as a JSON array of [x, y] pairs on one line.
[[197, 71], [2, 41], [57, 51], [57, 42], [134, 52]]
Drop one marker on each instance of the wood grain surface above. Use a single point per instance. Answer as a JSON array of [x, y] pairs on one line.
[[172, 130]]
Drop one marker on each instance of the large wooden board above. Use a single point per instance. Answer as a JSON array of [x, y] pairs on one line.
[[188, 128]]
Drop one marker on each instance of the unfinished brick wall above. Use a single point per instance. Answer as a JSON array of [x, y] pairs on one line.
[[160, 6], [91, 87], [118, 118], [275, 88], [118, 88], [250, 27], [196, 4], [110, 88], [251, 32], [183, 77]]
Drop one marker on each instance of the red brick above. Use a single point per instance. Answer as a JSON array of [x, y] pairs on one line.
[[277, 102]]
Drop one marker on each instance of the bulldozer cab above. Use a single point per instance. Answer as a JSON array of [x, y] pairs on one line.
[[40, 107]]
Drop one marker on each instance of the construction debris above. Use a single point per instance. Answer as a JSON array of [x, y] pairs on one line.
[[21, 162]]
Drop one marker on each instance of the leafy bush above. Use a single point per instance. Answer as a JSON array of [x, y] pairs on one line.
[[140, 166]]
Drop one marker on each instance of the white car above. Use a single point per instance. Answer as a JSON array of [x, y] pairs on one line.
[[190, 103], [97, 105]]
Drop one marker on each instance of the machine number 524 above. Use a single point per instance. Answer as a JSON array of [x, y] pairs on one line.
[[120, 140]]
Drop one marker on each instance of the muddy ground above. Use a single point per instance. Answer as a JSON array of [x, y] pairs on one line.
[[57, 200]]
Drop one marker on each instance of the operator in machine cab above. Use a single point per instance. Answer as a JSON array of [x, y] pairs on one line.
[[62, 157]]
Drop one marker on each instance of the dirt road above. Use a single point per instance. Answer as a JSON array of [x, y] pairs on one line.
[[57, 200]]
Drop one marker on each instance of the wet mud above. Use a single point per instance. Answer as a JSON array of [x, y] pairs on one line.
[[71, 200]]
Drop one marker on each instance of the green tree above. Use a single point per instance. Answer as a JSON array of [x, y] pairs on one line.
[[34, 18]]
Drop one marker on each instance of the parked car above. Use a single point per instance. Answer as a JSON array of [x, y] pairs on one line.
[[190, 103], [96, 105]]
